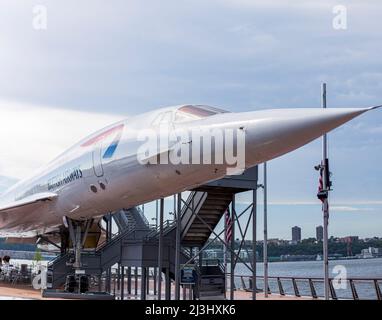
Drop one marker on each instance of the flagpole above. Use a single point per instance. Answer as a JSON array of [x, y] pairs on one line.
[[265, 242], [325, 206]]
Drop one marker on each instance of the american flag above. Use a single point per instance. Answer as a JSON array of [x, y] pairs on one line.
[[320, 194], [321, 183], [228, 227]]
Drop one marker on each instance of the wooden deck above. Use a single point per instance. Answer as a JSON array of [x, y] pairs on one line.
[[19, 291]]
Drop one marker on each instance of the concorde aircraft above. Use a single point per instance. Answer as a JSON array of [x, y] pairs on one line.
[[108, 170]]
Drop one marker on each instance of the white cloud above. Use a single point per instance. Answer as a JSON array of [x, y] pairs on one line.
[[31, 135]]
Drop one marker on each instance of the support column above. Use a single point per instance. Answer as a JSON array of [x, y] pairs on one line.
[[168, 284], [78, 244], [136, 281], [119, 277], [143, 283], [178, 247], [155, 268], [160, 249], [122, 283], [232, 276], [148, 280], [155, 281], [108, 238], [254, 226], [128, 280]]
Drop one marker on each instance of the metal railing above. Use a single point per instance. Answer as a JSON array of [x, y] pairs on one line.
[[350, 288], [168, 225]]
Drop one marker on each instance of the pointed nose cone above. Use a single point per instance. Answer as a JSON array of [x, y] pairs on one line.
[[276, 132]]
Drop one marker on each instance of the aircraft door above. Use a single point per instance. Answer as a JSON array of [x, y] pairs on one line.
[[97, 159]]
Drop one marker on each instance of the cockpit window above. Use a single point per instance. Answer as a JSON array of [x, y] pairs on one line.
[[201, 111], [192, 112]]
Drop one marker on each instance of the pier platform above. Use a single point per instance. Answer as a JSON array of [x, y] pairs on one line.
[[26, 292]]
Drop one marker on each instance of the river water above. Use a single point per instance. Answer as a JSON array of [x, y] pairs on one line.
[[346, 269]]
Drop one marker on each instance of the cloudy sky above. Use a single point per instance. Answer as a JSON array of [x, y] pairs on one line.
[[98, 62]]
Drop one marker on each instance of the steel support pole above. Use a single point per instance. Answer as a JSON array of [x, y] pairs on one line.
[[136, 280], [168, 284], [325, 205], [78, 246], [156, 212], [122, 283], [174, 213], [148, 280], [128, 280], [119, 277], [177, 248], [156, 226], [155, 280], [254, 225], [232, 262], [143, 283], [265, 243], [108, 237], [160, 249]]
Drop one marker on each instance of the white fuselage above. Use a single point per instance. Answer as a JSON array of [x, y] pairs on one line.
[[102, 173]]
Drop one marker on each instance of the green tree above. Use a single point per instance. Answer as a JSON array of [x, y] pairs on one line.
[[37, 256]]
